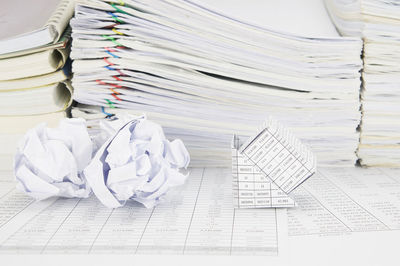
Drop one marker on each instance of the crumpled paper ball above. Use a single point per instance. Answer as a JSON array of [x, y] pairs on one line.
[[136, 163], [50, 161]]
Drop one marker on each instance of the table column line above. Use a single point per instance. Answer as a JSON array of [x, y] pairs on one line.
[[276, 231], [233, 226], [194, 208], [12, 217], [58, 228], [13, 188], [101, 229], [144, 230]]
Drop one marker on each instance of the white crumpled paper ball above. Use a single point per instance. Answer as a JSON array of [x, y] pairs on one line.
[[136, 163], [50, 161]]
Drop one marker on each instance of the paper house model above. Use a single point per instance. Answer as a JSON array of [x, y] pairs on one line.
[[268, 166]]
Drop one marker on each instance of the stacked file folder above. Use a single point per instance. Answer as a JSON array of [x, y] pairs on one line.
[[205, 74], [378, 23], [36, 82], [34, 69]]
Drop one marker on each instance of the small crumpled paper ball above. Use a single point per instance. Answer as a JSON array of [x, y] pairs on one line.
[[50, 161], [136, 163]]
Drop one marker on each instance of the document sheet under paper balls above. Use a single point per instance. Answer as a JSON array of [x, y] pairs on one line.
[[196, 218]]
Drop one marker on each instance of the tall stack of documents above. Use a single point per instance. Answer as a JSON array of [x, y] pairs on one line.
[[206, 70], [378, 23], [34, 73]]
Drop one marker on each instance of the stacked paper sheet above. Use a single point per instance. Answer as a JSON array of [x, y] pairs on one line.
[[207, 73], [378, 22]]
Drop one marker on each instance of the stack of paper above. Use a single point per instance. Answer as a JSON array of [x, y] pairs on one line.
[[378, 23], [205, 70], [34, 70]]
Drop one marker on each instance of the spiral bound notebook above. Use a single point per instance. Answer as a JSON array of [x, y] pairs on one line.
[[29, 24]]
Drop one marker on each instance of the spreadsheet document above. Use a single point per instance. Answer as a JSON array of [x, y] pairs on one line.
[[196, 218]]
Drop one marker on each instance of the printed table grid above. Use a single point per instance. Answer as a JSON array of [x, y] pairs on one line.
[[252, 189], [277, 174]]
